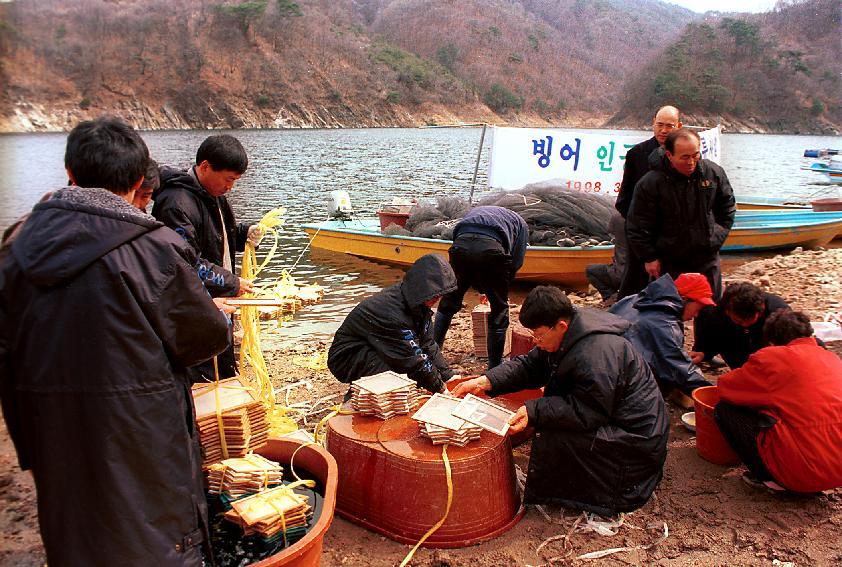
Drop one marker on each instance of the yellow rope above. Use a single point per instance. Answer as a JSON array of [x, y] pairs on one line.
[[250, 349], [438, 524]]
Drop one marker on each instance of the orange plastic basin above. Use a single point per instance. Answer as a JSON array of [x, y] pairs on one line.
[[392, 481], [306, 552]]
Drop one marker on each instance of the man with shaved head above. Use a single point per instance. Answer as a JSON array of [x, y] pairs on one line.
[[606, 278]]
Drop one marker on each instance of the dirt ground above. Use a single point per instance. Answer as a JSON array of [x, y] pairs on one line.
[[709, 515]]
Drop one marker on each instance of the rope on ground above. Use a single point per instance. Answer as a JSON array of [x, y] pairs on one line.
[[438, 524], [589, 523]]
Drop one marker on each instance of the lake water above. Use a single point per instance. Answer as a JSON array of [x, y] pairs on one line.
[[297, 169]]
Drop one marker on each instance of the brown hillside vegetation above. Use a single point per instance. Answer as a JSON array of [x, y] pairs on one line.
[[343, 63], [776, 72]]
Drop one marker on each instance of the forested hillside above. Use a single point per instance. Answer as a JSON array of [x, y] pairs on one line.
[[778, 71], [343, 63]]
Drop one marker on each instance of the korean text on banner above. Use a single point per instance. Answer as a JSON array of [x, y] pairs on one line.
[[585, 161]]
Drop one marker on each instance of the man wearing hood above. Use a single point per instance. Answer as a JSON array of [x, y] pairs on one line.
[[680, 215], [392, 329], [100, 313], [657, 316], [601, 427], [193, 204]]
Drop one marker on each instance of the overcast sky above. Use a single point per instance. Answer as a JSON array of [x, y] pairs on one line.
[[726, 5]]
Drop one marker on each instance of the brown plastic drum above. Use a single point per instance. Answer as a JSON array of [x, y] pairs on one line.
[[397, 485]]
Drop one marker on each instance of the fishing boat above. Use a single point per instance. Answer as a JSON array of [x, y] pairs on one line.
[[565, 266], [753, 203], [832, 170]]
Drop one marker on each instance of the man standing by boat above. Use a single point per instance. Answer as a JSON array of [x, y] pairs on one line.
[[193, 203], [632, 275], [489, 245], [681, 212]]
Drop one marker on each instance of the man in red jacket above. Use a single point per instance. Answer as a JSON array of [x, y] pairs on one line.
[[781, 411]]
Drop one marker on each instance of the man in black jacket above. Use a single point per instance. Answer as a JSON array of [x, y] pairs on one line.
[[608, 278], [680, 215], [734, 329], [601, 427], [100, 313], [193, 203], [489, 245], [392, 329]]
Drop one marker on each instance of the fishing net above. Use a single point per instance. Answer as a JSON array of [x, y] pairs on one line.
[[555, 216]]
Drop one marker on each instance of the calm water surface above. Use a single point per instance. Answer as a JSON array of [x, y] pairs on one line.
[[297, 169]]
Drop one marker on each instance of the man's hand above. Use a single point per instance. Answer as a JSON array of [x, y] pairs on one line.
[[519, 420], [696, 356], [245, 287], [475, 386], [653, 268], [222, 305], [255, 235]]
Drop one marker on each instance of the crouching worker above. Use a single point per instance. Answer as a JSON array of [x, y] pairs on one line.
[[100, 312], [601, 427], [392, 329], [781, 411], [657, 316]]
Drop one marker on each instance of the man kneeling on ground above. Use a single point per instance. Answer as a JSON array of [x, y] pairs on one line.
[[657, 316], [781, 411], [601, 426], [392, 329]]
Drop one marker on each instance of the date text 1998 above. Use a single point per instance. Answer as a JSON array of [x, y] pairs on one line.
[[590, 186]]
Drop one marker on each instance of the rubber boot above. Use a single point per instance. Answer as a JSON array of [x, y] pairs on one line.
[[440, 327], [496, 343]]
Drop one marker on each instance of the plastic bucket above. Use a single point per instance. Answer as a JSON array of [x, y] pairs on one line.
[[388, 217], [393, 481], [315, 460], [522, 341], [710, 444]]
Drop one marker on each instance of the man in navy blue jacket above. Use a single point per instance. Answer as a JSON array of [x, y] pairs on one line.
[[489, 245]]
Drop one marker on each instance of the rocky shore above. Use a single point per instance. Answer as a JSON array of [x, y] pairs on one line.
[[711, 517]]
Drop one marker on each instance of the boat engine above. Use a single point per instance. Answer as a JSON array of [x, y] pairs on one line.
[[339, 205]]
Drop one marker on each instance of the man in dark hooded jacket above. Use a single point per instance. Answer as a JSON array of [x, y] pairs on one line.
[[489, 246], [601, 427], [392, 329], [657, 316], [100, 313], [193, 204], [680, 215]]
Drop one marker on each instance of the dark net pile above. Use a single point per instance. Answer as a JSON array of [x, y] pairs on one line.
[[556, 216]]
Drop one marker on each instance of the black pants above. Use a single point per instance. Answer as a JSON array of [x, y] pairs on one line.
[[607, 278], [635, 277], [479, 262], [740, 426]]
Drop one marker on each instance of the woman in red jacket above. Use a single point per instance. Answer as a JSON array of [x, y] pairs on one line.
[[781, 412]]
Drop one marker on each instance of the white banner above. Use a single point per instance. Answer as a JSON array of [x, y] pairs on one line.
[[586, 161]]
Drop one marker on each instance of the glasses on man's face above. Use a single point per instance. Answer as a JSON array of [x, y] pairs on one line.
[[665, 125], [540, 337], [690, 157]]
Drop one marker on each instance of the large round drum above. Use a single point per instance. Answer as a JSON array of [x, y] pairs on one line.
[[393, 481]]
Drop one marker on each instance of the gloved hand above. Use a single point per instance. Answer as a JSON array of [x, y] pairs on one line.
[[255, 235]]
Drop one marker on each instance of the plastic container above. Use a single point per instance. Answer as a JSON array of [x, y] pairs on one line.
[[306, 552], [392, 481], [824, 205], [710, 444], [522, 341], [390, 217]]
